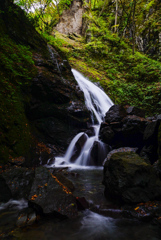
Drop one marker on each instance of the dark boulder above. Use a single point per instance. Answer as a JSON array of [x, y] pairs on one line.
[[98, 153], [106, 134], [78, 147], [5, 192], [128, 178], [19, 181], [128, 132], [115, 114], [135, 111], [133, 130], [52, 194]]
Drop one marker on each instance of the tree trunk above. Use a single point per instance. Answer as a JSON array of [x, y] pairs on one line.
[[133, 32], [116, 15]]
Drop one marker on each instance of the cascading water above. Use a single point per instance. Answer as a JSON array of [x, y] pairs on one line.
[[98, 103]]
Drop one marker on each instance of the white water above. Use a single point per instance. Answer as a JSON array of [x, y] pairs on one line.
[[98, 103]]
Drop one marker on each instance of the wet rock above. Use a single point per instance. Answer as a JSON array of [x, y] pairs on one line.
[[65, 181], [56, 108], [133, 130], [106, 133], [26, 217], [128, 178], [149, 211], [135, 111], [5, 192], [19, 181], [124, 149], [115, 114], [17, 161], [82, 203], [51, 194], [98, 153], [78, 147]]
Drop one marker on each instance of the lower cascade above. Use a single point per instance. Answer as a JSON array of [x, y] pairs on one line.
[[81, 149]]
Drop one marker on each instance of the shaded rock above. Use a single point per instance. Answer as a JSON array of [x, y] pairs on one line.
[[51, 195], [106, 134], [82, 203], [98, 153], [26, 217], [135, 111], [65, 181], [5, 192], [17, 161], [150, 138], [133, 130], [78, 147], [149, 153], [19, 181], [143, 211], [128, 178], [124, 149], [115, 114]]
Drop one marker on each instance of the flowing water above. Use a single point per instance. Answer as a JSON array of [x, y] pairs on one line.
[[98, 104]]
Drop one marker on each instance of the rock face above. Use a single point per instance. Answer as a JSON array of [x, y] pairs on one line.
[[52, 194], [56, 108], [128, 127], [128, 178], [71, 19]]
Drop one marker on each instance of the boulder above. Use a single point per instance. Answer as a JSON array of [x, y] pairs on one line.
[[128, 132], [98, 153], [150, 138], [128, 178], [5, 192], [135, 111], [19, 181], [71, 19], [78, 147], [115, 114], [52, 193]]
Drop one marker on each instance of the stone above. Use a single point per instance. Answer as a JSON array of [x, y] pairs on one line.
[[19, 181], [5, 192], [128, 178], [135, 111], [106, 134], [98, 153], [51, 195], [78, 147], [115, 114], [71, 19]]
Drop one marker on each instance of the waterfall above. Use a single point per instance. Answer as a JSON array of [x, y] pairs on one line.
[[98, 103]]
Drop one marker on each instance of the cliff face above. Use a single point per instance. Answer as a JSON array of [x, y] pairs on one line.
[[40, 101], [71, 19]]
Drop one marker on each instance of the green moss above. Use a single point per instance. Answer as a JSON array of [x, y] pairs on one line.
[[16, 71]]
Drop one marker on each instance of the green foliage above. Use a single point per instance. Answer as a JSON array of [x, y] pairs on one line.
[[16, 71]]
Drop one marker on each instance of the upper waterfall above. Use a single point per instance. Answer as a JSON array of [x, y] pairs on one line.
[[96, 100]]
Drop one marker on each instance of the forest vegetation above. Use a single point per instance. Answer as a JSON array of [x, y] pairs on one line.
[[120, 46]]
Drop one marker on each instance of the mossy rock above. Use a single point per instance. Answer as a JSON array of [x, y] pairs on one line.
[[128, 178]]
